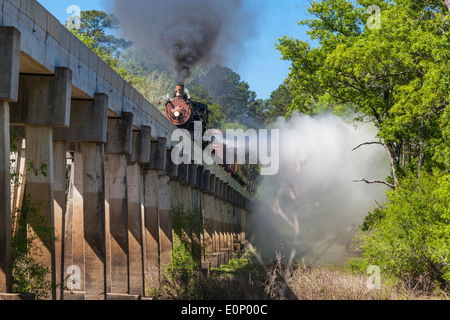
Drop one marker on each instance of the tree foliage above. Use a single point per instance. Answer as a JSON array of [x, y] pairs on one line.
[[96, 25], [412, 237], [394, 74], [278, 104], [238, 103]]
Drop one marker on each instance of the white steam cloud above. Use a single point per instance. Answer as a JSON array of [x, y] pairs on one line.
[[314, 192]]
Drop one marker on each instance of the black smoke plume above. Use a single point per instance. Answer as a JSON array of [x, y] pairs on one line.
[[187, 32]]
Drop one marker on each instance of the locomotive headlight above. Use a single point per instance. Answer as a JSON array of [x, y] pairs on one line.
[[176, 114]]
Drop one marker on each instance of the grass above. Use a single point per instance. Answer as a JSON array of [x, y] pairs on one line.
[[243, 278], [334, 282]]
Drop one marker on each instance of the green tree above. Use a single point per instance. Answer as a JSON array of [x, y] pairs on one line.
[[231, 93], [97, 25], [278, 104], [395, 76]]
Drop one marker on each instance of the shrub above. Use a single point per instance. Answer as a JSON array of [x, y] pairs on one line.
[[411, 237], [29, 275]]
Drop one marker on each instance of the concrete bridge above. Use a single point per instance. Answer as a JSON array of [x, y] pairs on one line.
[[94, 155]]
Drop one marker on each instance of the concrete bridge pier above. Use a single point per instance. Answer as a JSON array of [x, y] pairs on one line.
[[159, 163], [197, 211], [83, 240], [151, 229], [117, 150], [9, 87], [175, 185], [43, 104], [140, 156], [207, 215], [157, 202], [208, 240], [59, 206], [216, 235]]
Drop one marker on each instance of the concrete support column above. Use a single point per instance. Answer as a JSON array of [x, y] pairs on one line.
[[159, 162], [151, 230], [118, 148], [197, 204], [40, 189], [186, 197], [9, 84], [5, 204], [85, 238], [208, 201], [165, 221], [156, 212], [60, 169], [229, 224], [208, 204], [140, 155], [43, 103], [116, 223], [175, 191], [18, 183], [94, 220], [220, 219], [215, 224], [172, 172], [136, 271], [74, 246]]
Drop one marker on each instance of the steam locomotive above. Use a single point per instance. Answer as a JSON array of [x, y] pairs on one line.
[[184, 113]]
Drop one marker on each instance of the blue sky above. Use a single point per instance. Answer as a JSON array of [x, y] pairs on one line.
[[262, 66]]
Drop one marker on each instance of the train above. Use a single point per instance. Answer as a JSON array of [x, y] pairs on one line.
[[183, 112]]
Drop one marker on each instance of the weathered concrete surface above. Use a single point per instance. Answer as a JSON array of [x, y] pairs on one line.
[[116, 222], [9, 87], [135, 230], [165, 221], [88, 121], [158, 155], [44, 100], [74, 235], [120, 135], [151, 230], [5, 204], [94, 220], [141, 145], [16, 297], [9, 63], [59, 168], [40, 190]]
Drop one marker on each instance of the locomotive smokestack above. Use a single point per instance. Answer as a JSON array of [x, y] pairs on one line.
[[179, 91]]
